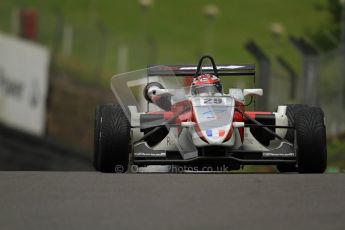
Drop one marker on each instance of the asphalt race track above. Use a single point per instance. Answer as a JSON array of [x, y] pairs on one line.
[[90, 200]]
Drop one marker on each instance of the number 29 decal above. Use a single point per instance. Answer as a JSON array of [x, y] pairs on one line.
[[213, 101]]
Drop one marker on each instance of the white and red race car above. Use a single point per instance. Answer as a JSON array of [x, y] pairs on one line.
[[160, 121]]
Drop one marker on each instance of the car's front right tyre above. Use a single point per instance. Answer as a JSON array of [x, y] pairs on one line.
[[112, 139]]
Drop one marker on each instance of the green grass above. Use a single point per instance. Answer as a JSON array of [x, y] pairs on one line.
[[178, 27], [336, 157]]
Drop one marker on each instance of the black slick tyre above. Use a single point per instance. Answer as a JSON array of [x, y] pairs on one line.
[[112, 140], [311, 140]]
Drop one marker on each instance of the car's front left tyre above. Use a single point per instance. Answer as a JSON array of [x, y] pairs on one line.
[[310, 135], [311, 140]]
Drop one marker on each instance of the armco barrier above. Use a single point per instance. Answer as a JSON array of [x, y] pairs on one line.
[[22, 151]]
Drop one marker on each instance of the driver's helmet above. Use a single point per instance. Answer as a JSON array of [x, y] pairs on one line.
[[206, 85]]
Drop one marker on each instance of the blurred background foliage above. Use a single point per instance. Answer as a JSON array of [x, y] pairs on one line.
[[166, 31]]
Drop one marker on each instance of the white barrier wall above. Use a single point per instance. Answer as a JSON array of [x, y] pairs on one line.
[[23, 84]]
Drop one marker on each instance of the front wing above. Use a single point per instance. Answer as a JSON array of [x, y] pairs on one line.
[[144, 155]]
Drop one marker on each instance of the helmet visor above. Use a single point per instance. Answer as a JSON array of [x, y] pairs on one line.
[[207, 89]]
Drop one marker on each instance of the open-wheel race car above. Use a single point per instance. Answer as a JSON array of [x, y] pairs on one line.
[[180, 115]]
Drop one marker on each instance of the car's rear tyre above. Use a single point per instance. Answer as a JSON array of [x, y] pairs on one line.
[[112, 139], [291, 111], [311, 140]]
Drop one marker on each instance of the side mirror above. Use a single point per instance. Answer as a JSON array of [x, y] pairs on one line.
[[253, 92], [160, 92], [238, 124]]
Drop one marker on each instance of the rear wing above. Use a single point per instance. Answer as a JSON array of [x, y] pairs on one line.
[[189, 70]]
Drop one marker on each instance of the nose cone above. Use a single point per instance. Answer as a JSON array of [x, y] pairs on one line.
[[214, 119]]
